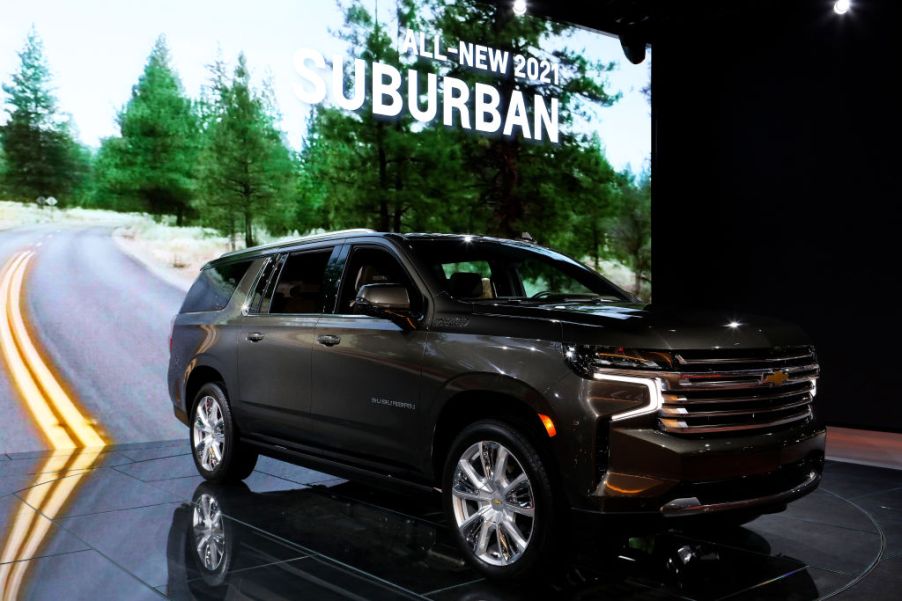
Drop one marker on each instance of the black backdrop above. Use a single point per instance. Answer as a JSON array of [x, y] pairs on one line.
[[777, 175], [776, 183]]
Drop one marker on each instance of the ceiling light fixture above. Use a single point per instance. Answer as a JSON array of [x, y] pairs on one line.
[[840, 7], [519, 7]]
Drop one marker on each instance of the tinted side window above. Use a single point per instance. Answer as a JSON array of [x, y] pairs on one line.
[[264, 280], [300, 285], [214, 287]]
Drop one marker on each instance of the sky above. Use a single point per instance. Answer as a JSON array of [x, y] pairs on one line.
[[97, 49]]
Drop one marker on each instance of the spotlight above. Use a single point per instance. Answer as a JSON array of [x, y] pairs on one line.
[[840, 7], [519, 7]]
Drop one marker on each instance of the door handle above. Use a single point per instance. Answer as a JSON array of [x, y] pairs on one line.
[[328, 339], [255, 336]]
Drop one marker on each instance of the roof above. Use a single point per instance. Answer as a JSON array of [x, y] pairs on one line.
[[352, 233], [336, 235]]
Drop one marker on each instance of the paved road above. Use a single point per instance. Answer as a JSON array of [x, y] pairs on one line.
[[103, 321]]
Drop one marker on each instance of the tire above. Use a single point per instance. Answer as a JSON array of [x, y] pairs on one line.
[[218, 453], [490, 517]]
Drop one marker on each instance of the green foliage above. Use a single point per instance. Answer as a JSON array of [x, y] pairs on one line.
[[2, 172], [246, 170], [360, 170], [397, 175], [41, 155], [223, 160], [631, 228], [153, 164], [523, 183]]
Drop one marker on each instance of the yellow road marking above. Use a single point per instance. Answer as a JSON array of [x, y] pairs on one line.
[[60, 421], [55, 413], [30, 527]]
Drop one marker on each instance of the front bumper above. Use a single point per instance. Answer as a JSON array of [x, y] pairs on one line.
[[653, 472], [692, 505]]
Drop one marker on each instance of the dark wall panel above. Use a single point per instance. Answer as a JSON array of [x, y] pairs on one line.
[[778, 180]]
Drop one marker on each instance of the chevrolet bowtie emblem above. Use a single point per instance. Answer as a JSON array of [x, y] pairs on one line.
[[776, 378]]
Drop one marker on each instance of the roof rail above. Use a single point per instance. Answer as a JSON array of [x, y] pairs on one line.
[[311, 237]]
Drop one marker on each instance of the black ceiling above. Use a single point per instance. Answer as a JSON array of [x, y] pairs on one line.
[[645, 19]]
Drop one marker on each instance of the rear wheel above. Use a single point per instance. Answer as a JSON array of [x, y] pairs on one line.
[[499, 500], [218, 453]]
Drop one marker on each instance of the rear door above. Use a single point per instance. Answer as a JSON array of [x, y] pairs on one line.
[[275, 342], [366, 370]]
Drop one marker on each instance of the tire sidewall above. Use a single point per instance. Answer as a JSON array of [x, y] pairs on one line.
[[541, 544], [221, 471]]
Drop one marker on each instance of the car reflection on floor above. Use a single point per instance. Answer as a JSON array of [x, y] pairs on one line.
[[356, 543]]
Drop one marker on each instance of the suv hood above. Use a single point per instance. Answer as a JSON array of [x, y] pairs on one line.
[[655, 328]]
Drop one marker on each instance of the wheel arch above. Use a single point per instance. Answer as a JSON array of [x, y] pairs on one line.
[[197, 377], [488, 396]]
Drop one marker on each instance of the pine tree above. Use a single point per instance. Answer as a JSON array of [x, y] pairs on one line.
[[393, 174], [246, 169], [631, 228], [41, 155], [160, 141], [524, 185]]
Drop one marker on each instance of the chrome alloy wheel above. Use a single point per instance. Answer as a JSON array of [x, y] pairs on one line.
[[208, 435], [493, 503], [209, 535]]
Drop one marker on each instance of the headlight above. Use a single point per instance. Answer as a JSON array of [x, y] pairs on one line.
[[623, 397], [588, 360]]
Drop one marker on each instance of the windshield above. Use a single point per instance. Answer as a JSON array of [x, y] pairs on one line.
[[483, 270]]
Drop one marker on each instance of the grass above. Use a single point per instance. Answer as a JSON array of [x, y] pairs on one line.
[[180, 251]]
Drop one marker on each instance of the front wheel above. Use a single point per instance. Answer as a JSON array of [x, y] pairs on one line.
[[499, 501], [218, 453]]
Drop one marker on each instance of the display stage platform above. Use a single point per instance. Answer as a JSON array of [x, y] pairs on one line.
[[136, 522]]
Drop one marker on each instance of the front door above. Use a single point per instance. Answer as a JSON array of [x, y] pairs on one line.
[[275, 343], [366, 370]]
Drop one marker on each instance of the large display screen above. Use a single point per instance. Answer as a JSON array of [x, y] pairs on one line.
[[291, 117], [141, 140]]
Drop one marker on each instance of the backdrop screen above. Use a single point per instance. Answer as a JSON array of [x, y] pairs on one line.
[[140, 140]]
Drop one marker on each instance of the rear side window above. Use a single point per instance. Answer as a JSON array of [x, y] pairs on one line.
[[299, 289], [214, 287]]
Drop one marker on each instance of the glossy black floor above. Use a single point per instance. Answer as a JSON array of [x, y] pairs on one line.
[[136, 522]]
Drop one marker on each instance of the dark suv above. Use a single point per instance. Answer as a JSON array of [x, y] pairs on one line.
[[525, 387]]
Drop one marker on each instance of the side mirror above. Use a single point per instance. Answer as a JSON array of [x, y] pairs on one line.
[[389, 301]]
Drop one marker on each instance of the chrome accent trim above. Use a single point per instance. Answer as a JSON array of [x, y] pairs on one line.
[[673, 399], [740, 378], [691, 505], [677, 426], [727, 360], [671, 411]]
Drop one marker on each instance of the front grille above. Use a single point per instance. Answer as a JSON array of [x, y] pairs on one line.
[[728, 391]]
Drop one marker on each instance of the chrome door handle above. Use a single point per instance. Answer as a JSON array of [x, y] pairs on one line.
[[328, 339], [255, 336]]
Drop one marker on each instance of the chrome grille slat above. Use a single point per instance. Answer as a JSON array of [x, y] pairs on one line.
[[745, 378], [683, 429], [731, 391], [682, 399], [666, 410]]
